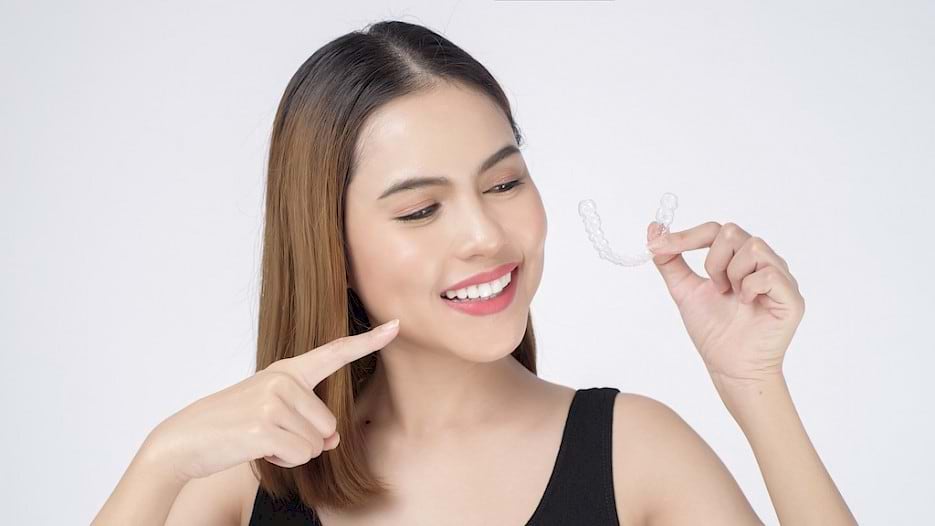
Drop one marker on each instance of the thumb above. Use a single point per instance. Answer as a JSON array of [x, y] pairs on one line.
[[668, 259]]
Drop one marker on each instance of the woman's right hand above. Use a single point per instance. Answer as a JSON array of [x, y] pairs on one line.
[[273, 414]]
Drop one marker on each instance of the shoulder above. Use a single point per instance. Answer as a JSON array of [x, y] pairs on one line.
[[663, 468], [643, 429], [632, 412], [221, 498], [246, 485]]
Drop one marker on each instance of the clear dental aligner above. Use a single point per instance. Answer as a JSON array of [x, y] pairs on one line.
[[592, 224]]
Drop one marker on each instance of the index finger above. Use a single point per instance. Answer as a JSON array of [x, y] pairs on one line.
[[321, 362]]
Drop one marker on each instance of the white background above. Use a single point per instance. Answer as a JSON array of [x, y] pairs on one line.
[[134, 142]]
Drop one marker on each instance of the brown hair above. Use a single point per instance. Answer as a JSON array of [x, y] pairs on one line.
[[305, 301]]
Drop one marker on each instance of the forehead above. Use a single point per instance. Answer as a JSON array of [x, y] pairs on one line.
[[447, 129]]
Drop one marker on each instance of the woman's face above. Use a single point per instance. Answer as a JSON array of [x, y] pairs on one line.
[[400, 269]]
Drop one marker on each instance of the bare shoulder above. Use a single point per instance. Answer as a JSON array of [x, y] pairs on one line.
[[217, 500], [665, 473], [248, 486]]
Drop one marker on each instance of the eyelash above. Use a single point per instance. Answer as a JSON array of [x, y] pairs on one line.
[[415, 216]]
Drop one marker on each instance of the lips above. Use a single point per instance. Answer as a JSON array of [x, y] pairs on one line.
[[483, 277], [490, 306]]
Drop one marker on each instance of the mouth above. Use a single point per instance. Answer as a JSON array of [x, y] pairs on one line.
[[506, 290]]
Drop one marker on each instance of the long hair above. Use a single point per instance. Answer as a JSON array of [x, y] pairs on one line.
[[304, 299]]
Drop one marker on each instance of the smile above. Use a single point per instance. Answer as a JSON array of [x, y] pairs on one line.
[[482, 306]]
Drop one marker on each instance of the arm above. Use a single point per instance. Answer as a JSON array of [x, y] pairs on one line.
[[666, 474], [799, 486], [143, 496], [149, 495]]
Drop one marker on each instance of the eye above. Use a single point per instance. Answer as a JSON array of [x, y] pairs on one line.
[[421, 214], [429, 210], [511, 185]]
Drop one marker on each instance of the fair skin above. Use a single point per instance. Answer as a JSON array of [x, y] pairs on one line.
[[448, 404], [461, 432], [446, 393]]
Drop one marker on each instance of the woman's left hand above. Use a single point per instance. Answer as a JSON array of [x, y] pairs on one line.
[[743, 318]]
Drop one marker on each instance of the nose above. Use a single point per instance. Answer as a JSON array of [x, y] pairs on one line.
[[480, 232]]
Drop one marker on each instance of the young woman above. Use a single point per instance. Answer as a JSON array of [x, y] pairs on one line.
[[397, 190]]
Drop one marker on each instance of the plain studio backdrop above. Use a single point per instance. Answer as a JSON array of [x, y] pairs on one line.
[[135, 138]]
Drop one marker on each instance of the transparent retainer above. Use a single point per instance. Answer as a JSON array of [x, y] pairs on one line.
[[587, 209]]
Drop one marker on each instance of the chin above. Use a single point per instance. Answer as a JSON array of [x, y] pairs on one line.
[[489, 348]]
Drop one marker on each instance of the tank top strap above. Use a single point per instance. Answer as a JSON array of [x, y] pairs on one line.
[[270, 511], [581, 489]]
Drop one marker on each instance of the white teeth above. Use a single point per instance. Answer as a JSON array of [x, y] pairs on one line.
[[483, 290]]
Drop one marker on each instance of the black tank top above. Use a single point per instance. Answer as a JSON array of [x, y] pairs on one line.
[[580, 489]]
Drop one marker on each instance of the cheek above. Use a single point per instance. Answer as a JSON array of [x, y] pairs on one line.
[[371, 262], [530, 232], [536, 225], [390, 267]]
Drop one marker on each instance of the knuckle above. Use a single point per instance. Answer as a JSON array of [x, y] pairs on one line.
[[272, 371], [280, 366], [331, 424], [730, 230], [277, 381], [271, 410], [733, 278], [757, 245], [268, 369], [308, 452], [313, 448]]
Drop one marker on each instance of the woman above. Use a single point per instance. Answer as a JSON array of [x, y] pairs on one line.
[[395, 158]]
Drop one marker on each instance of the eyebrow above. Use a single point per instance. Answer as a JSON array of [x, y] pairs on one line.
[[419, 181]]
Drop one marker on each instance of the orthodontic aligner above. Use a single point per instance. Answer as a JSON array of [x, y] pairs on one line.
[[587, 209]]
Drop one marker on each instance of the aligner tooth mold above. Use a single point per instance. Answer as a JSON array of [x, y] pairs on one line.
[[587, 209]]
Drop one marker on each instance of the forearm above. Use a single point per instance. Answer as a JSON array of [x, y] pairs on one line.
[[143, 496], [799, 486]]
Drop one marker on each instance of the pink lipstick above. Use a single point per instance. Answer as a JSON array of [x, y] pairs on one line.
[[491, 305]]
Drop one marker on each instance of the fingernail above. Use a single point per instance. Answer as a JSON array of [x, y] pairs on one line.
[[388, 326], [658, 243]]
